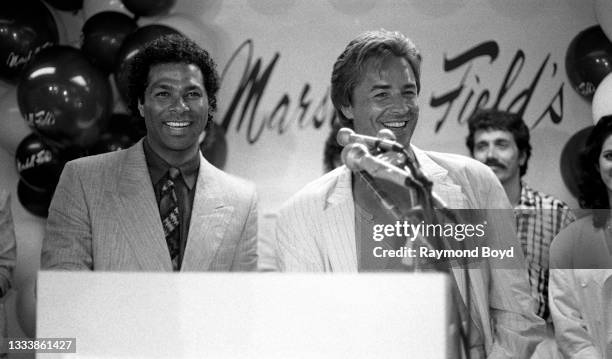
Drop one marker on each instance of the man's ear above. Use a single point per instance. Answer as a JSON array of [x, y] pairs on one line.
[[140, 109], [347, 111]]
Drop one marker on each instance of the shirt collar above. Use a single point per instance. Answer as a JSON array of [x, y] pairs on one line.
[[158, 167], [527, 196]]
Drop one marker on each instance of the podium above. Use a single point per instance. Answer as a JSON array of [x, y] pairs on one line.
[[244, 315]]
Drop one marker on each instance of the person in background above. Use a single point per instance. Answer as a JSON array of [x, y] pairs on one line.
[[159, 205], [580, 288], [8, 255], [332, 152], [500, 139]]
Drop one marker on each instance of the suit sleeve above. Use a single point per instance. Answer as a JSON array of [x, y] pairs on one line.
[[67, 242], [297, 248], [516, 328], [245, 257], [8, 243], [570, 327]]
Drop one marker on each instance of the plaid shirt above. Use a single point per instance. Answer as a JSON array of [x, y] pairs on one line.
[[539, 217]]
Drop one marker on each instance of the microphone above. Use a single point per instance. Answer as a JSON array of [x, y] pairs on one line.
[[386, 142], [357, 157]]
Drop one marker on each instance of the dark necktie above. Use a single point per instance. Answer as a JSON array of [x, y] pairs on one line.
[[169, 211]]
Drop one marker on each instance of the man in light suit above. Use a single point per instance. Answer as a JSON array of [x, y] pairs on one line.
[[159, 205], [327, 226]]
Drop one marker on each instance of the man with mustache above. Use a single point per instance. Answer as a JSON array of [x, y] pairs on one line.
[[328, 226], [500, 139], [158, 205]]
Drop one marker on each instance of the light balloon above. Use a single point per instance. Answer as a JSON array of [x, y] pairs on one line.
[[602, 100]]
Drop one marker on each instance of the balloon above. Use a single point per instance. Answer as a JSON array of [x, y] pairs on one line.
[[13, 128], [131, 126], [214, 145], [34, 200], [570, 160], [38, 164], [603, 13], [64, 97], [110, 142], [131, 46], [602, 100], [92, 7], [149, 7], [588, 60], [26, 27], [26, 306], [66, 5], [103, 35]]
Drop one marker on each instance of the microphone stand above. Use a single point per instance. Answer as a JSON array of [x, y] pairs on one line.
[[428, 211]]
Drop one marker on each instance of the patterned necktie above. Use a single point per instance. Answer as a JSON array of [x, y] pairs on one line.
[[169, 211]]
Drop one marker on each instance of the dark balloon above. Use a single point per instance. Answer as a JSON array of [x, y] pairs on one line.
[[103, 35], [64, 97], [34, 200], [131, 46], [110, 142], [588, 60], [66, 5], [149, 7], [131, 126], [214, 145], [26, 27], [38, 164], [570, 160]]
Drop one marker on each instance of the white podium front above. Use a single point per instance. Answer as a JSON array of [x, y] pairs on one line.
[[244, 315]]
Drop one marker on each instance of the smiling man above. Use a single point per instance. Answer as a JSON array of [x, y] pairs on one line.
[[159, 205], [328, 225]]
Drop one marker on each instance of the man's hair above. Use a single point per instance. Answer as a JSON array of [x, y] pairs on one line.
[[493, 119], [350, 66], [170, 49], [593, 192]]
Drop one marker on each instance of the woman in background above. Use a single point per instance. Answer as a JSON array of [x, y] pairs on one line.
[[580, 289]]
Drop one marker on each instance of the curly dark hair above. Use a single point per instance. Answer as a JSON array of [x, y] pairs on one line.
[[493, 119], [349, 68], [170, 49], [593, 192]]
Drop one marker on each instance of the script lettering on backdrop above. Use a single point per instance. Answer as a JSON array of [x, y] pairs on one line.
[[288, 110], [459, 101]]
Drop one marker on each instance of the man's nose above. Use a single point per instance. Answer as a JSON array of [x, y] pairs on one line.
[[179, 105], [400, 105]]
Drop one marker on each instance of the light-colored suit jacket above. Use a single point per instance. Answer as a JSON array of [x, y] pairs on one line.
[[104, 216], [315, 232]]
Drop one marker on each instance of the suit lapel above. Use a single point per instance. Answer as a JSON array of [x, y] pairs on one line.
[[210, 217], [338, 225], [443, 185], [138, 212]]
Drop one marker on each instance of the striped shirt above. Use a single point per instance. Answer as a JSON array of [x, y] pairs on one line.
[[539, 217]]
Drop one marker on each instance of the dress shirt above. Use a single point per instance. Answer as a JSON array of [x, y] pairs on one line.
[[184, 185], [539, 217]]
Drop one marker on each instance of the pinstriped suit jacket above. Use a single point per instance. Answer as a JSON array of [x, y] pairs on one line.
[[315, 232], [104, 216]]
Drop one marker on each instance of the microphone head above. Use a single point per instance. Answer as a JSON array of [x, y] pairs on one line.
[[344, 136], [386, 134], [352, 155]]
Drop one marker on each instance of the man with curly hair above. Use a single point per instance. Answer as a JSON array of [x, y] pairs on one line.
[[159, 205]]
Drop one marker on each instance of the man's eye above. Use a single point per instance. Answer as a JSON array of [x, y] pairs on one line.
[[381, 95], [161, 94], [194, 94]]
